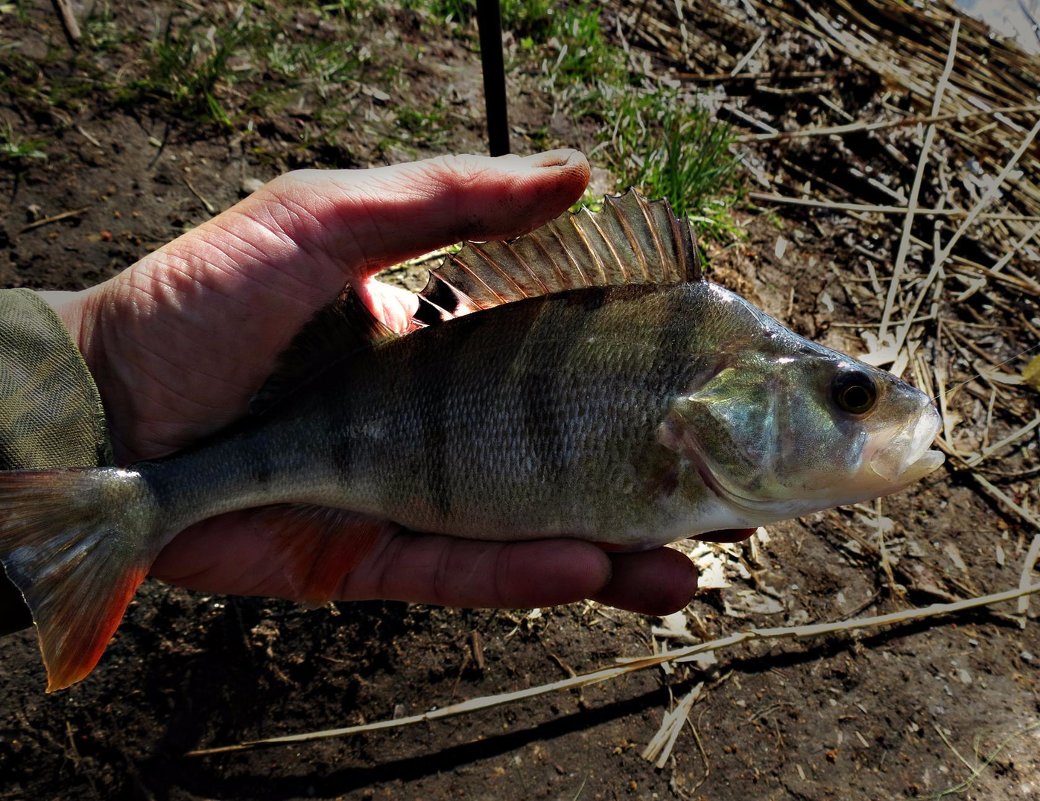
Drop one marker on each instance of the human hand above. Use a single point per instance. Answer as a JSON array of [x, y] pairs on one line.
[[180, 341]]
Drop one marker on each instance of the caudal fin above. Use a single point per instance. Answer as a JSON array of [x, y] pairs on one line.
[[76, 543]]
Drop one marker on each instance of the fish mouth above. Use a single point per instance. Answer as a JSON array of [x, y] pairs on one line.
[[906, 455]]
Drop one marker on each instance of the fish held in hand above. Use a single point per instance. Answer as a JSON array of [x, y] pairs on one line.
[[581, 381]]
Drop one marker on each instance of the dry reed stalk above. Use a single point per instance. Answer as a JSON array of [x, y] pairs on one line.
[[862, 126], [865, 208], [915, 189], [632, 664]]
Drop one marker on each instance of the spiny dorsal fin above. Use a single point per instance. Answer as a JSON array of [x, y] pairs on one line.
[[342, 328], [631, 241]]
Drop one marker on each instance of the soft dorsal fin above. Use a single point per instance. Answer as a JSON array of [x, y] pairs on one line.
[[631, 241], [334, 333]]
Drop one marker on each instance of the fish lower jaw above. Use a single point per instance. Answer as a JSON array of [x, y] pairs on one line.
[[902, 469], [926, 463], [903, 455]]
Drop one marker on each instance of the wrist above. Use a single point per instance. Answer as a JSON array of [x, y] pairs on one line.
[[70, 307]]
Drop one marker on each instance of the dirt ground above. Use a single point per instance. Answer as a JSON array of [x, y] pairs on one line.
[[946, 707]]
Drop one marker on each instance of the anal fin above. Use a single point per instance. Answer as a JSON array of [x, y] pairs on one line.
[[322, 545]]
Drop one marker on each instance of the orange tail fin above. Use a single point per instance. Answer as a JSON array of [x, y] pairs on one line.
[[76, 543]]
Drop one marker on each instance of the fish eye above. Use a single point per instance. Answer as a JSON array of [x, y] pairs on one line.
[[854, 391]]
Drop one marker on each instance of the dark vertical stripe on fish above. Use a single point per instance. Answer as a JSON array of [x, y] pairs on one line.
[[432, 393], [259, 465], [544, 428], [673, 317], [341, 417]]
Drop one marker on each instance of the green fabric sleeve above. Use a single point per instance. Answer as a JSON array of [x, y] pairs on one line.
[[50, 410]]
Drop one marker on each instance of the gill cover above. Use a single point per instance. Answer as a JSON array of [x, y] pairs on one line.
[[728, 426]]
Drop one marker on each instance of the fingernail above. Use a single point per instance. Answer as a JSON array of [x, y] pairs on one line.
[[563, 157]]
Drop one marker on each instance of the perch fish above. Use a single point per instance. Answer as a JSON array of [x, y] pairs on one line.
[[584, 380]]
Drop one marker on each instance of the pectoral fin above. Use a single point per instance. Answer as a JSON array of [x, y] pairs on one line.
[[729, 423]]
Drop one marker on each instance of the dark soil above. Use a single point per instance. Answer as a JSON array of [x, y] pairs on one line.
[[897, 713]]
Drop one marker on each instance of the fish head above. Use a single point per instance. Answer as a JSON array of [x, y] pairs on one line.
[[782, 427]]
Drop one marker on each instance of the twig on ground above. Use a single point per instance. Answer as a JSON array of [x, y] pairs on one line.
[[991, 191], [977, 770], [866, 208], [198, 195], [866, 127], [718, 77], [65, 215], [885, 562], [69, 25], [736, 112], [661, 744], [1001, 496], [1028, 565], [1011, 438], [952, 747], [750, 54], [89, 137]]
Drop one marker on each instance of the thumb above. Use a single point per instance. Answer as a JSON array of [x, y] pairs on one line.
[[373, 218]]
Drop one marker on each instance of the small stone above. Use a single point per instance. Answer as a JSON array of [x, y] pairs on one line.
[[249, 186], [375, 93], [1026, 656]]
